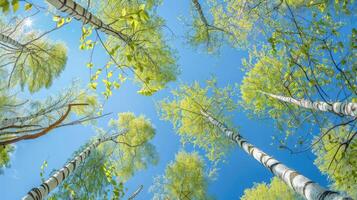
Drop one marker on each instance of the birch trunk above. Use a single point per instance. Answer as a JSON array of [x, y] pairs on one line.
[[21, 120], [78, 12], [8, 40], [198, 8], [340, 108], [57, 178], [299, 183]]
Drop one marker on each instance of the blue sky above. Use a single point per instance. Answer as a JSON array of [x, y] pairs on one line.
[[240, 171]]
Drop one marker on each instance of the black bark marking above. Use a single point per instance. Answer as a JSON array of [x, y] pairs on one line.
[[30, 193], [305, 186], [261, 157], [90, 18], [63, 175], [326, 193], [249, 148], [38, 193], [74, 6], [272, 166], [57, 182], [291, 178], [63, 4], [66, 168], [46, 187], [242, 142], [73, 162]]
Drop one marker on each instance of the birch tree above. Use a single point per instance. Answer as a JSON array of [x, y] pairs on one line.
[[43, 117], [202, 103], [134, 42], [276, 88], [30, 59], [339, 108], [100, 168]]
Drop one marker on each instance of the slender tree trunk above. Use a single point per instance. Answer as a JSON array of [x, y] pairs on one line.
[[57, 178], [299, 183], [198, 8], [20, 120], [44, 131], [340, 108], [78, 12], [8, 40], [136, 193]]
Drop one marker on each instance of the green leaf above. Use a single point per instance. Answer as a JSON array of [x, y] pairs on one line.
[[5, 6], [56, 18], [28, 6], [60, 22], [15, 5]]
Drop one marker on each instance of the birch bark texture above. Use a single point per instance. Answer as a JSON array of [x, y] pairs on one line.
[[82, 14], [57, 178], [340, 108], [8, 40], [299, 183]]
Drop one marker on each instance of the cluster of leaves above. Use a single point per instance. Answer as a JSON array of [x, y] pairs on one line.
[[144, 52], [336, 157], [184, 112], [185, 178], [134, 150], [5, 156], [38, 65], [276, 189], [34, 62], [61, 20], [272, 73], [14, 4], [111, 164], [140, 49]]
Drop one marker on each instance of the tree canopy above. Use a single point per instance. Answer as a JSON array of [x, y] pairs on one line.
[[185, 178], [107, 169], [184, 112], [295, 63], [275, 190]]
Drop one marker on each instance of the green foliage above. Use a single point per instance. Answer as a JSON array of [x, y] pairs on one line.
[[39, 64], [271, 72], [5, 5], [205, 35], [184, 178], [5, 152], [145, 52], [275, 190], [184, 112], [89, 98], [19, 116], [134, 150], [241, 21], [42, 172], [111, 164], [336, 157]]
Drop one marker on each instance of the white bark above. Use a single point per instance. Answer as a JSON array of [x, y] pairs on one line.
[[78, 12], [136, 193], [299, 183], [8, 40], [57, 178], [21, 120], [340, 108]]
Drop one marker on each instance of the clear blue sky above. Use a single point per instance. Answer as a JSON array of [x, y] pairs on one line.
[[238, 173]]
